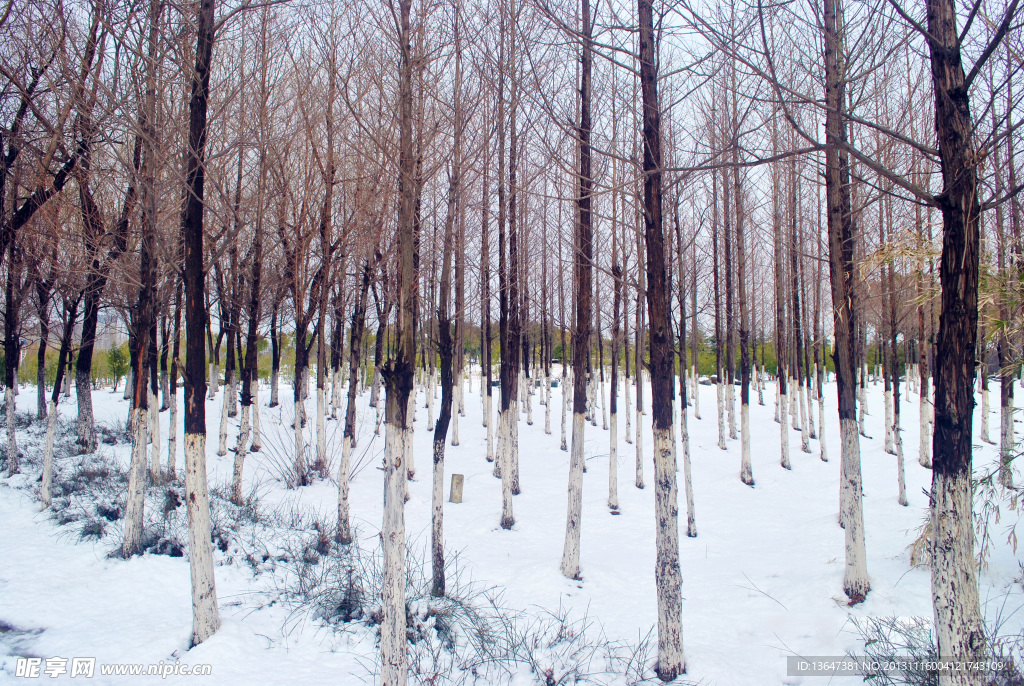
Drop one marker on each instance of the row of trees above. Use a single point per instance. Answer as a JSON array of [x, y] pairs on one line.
[[352, 177]]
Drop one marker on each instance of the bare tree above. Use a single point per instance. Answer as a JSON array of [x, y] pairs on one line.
[[667, 575]]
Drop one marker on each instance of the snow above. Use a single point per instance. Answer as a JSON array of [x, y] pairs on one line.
[[762, 581]]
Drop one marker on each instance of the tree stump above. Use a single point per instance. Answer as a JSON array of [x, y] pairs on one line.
[[456, 489]]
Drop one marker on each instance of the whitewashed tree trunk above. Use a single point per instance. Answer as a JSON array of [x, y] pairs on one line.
[[299, 476], [377, 420], [232, 391], [604, 408], [684, 437], [241, 451], [778, 397], [135, 501], [392, 630], [506, 420], [570, 565], [1006, 442], [889, 446], [592, 398], [720, 390], [639, 445], [412, 405], [222, 446], [275, 379], [172, 438], [304, 385], [485, 417], [613, 462], [730, 404], [746, 469], [336, 393], [985, 411], [924, 448], [547, 405], [205, 616], [807, 397], [344, 527], [13, 462], [801, 400], [529, 399], [862, 404], [410, 457], [900, 466], [696, 393], [821, 429], [514, 451], [154, 437], [667, 575], [321, 427], [794, 404], [256, 443], [488, 409], [437, 509], [464, 384], [855, 578], [375, 388], [564, 444], [783, 408], [628, 412], [430, 402], [51, 431], [958, 623], [457, 400], [214, 381]]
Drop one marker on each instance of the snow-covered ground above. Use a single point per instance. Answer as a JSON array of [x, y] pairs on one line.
[[763, 579]]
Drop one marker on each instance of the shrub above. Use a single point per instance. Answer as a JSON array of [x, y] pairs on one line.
[[117, 364]]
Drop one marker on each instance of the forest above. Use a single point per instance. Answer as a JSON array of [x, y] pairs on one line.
[[752, 272]]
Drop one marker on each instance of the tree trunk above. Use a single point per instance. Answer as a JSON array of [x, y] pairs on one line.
[[667, 576], [71, 314], [782, 406], [172, 431], [840, 230], [44, 334], [275, 358], [12, 351], [746, 470], [250, 370], [398, 377], [344, 532], [798, 390], [583, 269], [684, 432], [205, 616], [958, 621]]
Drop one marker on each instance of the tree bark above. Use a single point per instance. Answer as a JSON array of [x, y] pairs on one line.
[[667, 576], [583, 270], [205, 616], [840, 230], [398, 378], [958, 621]]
